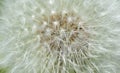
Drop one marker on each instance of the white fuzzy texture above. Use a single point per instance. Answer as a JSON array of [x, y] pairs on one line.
[[20, 47]]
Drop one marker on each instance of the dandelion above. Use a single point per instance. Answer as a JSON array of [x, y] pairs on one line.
[[59, 36]]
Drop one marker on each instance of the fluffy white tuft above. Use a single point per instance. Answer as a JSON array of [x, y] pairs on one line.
[[29, 43]]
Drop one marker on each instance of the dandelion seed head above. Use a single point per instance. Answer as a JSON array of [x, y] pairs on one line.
[[55, 23], [42, 11], [53, 12], [69, 19], [64, 12], [45, 23], [60, 36], [33, 16], [34, 28]]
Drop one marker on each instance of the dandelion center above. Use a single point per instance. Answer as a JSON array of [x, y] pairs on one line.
[[60, 30]]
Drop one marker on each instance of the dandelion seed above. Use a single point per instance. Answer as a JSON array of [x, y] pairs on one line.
[[51, 2]]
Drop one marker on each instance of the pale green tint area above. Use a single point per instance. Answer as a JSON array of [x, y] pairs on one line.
[[3, 70], [1, 4]]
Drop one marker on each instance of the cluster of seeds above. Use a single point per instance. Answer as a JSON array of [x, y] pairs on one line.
[[64, 32], [61, 30]]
